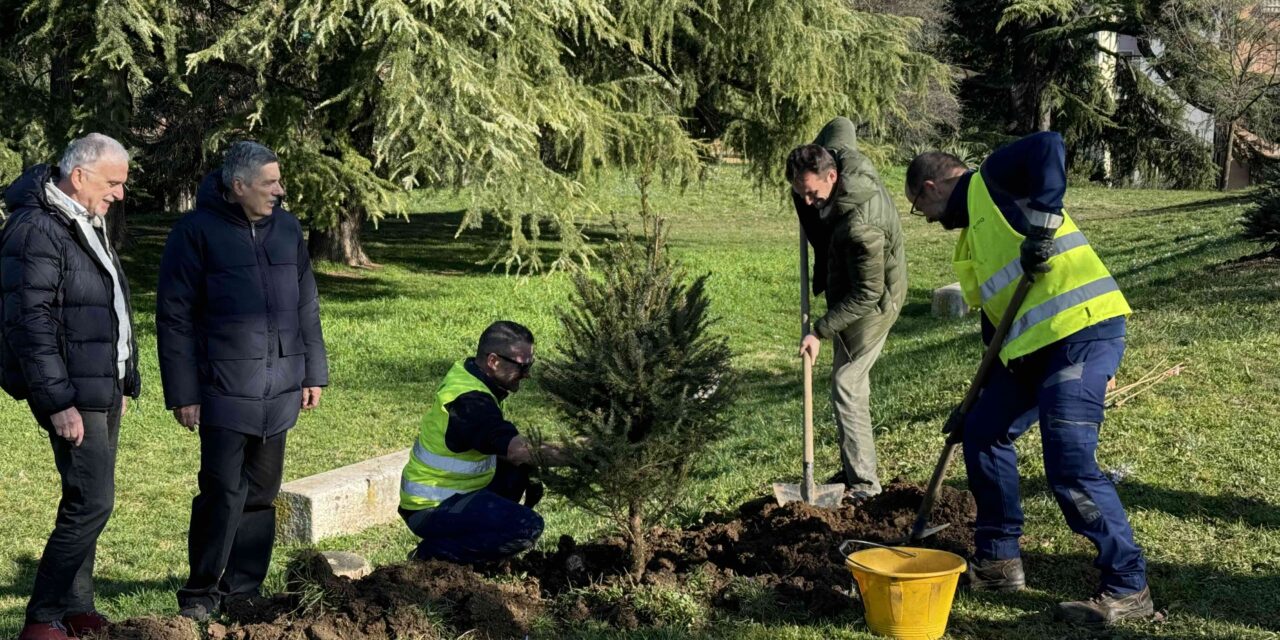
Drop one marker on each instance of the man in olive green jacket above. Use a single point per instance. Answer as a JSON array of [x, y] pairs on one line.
[[860, 263]]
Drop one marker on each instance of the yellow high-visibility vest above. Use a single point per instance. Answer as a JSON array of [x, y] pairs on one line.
[[434, 473], [1076, 293]]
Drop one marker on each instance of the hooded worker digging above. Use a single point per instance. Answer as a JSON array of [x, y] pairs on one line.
[[860, 264]]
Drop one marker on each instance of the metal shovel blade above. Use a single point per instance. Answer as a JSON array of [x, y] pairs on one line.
[[826, 496], [914, 537]]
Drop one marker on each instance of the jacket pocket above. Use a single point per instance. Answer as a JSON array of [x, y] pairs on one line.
[[236, 363], [291, 343]]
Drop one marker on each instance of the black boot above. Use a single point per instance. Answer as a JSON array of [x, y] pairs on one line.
[[1107, 608], [994, 575]]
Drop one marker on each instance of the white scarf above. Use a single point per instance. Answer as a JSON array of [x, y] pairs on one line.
[[90, 225]]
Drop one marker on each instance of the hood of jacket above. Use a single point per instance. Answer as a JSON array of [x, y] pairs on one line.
[[840, 138], [211, 196], [28, 190]]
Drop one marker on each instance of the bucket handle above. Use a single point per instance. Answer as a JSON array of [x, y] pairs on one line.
[[843, 548]]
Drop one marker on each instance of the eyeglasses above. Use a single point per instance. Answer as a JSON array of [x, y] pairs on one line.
[[524, 367], [914, 211]]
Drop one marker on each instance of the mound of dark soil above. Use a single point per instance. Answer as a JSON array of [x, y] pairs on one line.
[[151, 629], [389, 603], [788, 553], [790, 549]]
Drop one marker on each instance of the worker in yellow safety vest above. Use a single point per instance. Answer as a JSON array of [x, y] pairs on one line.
[[465, 489], [1061, 352]]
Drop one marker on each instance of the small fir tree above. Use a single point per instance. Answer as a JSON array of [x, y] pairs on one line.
[[644, 385], [1262, 222]]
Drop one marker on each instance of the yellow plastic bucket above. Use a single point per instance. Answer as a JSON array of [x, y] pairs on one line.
[[906, 597]]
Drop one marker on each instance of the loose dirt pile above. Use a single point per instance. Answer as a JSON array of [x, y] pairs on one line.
[[786, 556], [791, 550]]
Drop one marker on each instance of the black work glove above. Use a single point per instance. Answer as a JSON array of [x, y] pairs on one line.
[[533, 494], [1037, 248]]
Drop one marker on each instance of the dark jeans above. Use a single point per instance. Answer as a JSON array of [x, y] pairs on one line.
[[233, 518], [482, 526], [64, 577], [1063, 386]]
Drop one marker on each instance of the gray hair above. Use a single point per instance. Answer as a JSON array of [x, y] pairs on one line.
[[83, 152], [243, 161]]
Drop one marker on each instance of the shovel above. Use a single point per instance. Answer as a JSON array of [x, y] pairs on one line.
[[954, 428], [827, 496]]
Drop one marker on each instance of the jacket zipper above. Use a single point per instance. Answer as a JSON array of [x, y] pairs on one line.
[[266, 297]]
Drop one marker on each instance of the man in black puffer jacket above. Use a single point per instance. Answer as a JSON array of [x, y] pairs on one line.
[[68, 350], [238, 327]]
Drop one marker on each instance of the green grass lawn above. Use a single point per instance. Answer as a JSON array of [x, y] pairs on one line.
[[1202, 451]]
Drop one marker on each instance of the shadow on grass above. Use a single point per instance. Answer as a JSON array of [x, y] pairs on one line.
[[353, 286], [423, 243], [1196, 590], [1187, 252], [426, 243], [25, 576], [1220, 508], [1187, 207]]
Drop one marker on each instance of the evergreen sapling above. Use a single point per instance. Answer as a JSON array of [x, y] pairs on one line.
[[644, 386], [1262, 222]]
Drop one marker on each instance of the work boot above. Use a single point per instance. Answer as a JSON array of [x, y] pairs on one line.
[[83, 624], [198, 611], [994, 575], [44, 631], [1107, 608]]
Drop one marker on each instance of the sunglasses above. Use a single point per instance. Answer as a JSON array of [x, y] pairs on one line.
[[524, 367]]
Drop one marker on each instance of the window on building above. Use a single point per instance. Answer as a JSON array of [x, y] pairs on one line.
[[1271, 7]]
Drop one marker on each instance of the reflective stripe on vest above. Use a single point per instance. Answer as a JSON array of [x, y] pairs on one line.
[[1058, 304], [1076, 293], [452, 465], [436, 494], [1012, 271]]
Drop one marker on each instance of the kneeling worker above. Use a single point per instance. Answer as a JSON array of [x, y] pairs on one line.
[[462, 489]]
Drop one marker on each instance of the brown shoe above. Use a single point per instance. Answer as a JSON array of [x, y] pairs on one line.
[[994, 575], [1107, 608], [44, 631], [83, 624]]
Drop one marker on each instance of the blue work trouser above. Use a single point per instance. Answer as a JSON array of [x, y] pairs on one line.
[[482, 526], [1064, 386]]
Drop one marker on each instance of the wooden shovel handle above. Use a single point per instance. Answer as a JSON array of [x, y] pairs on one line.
[[807, 487]]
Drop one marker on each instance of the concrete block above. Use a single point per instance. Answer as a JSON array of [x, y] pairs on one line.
[[948, 302], [346, 500]]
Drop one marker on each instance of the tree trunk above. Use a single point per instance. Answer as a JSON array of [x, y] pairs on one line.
[[639, 545], [1044, 115], [61, 96], [342, 243], [1228, 155]]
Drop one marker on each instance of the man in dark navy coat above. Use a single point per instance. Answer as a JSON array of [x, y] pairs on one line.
[[241, 352], [69, 351]]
